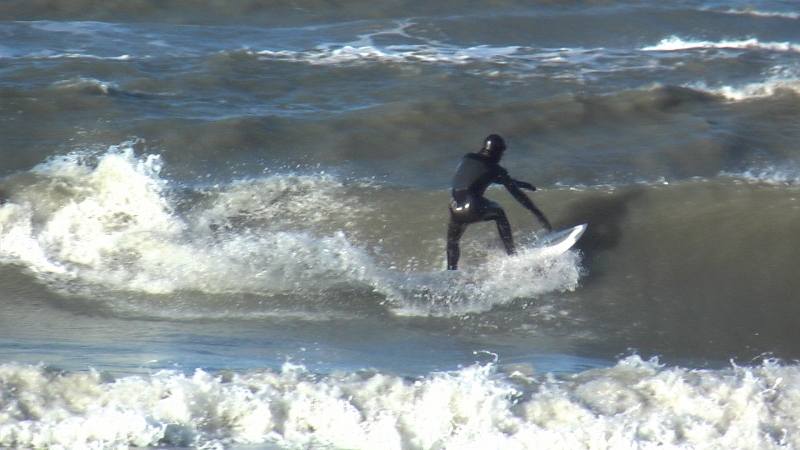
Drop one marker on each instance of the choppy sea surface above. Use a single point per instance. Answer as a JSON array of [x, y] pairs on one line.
[[222, 225]]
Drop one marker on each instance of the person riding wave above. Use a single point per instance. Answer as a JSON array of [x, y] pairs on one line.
[[476, 172]]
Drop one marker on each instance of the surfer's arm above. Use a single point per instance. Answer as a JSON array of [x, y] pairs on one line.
[[525, 185], [523, 199]]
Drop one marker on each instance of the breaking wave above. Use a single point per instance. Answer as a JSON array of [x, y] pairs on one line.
[[633, 404], [108, 222]]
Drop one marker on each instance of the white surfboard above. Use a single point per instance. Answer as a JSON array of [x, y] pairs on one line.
[[558, 242]]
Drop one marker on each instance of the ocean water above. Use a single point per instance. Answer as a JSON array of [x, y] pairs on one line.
[[222, 225]]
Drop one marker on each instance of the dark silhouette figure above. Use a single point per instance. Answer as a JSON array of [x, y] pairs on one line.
[[475, 173]]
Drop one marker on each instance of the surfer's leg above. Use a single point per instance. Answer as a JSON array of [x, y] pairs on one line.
[[454, 232], [493, 211], [504, 228]]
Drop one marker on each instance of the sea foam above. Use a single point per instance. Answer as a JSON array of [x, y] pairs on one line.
[[634, 404], [110, 220], [676, 43], [750, 91]]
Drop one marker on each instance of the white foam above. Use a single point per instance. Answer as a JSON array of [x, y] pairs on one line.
[[111, 224], [364, 49], [348, 53], [635, 404], [675, 43], [497, 281], [749, 91], [85, 56]]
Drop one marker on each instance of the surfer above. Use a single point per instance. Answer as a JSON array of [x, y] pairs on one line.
[[474, 174]]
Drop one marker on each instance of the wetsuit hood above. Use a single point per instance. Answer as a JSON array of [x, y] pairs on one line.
[[494, 146]]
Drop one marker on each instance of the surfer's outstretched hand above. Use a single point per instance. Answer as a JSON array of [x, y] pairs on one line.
[[525, 185]]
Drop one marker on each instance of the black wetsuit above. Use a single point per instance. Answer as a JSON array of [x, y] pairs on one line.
[[474, 175]]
